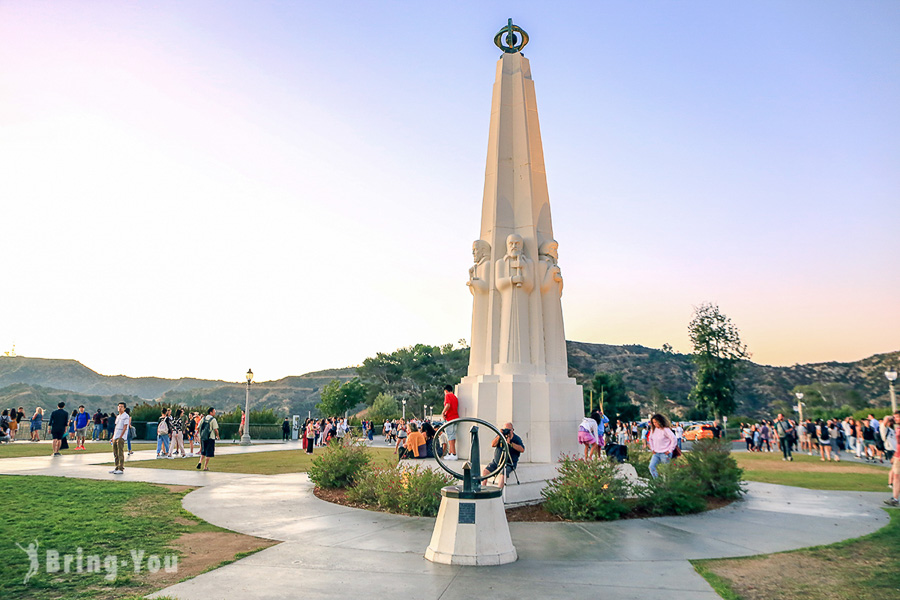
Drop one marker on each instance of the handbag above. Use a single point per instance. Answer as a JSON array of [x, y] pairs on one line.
[[676, 452]]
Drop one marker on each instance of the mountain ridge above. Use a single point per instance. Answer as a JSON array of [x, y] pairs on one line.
[[646, 372]]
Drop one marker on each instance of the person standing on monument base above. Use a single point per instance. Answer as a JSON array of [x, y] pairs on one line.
[[450, 413]]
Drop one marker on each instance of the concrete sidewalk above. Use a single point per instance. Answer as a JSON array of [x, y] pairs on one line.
[[332, 551]]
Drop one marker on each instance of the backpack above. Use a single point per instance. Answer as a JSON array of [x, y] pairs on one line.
[[205, 428], [162, 428]]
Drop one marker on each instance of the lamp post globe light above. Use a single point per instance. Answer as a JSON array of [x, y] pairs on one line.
[[404, 409], [891, 375], [245, 438], [800, 404]]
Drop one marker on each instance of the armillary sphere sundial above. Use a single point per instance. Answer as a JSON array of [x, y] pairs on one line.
[[471, 527], [512, 45], [471, 475]]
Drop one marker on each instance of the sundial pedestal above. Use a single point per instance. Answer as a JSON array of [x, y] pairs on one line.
[[471, 529]]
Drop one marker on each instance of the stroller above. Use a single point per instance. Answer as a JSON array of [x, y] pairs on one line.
[[618, 452]]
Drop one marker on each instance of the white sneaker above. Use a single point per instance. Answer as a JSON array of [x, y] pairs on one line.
[[117, 472], [113, 472], [170, 457], [451, 457]]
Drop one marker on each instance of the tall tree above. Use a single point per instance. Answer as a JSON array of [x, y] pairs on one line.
[[416, 374], [384, 407], [338, 399], [718, 352], [609, 389]]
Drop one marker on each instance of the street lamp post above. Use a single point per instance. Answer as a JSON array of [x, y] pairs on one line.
[[800, 405], [245, 439], [404, 410], [891, 375]]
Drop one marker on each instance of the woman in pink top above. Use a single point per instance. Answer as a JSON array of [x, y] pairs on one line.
[[661, 441]]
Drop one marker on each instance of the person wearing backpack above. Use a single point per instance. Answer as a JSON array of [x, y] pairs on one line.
[[163, 430], [784, 431], [209, 433]]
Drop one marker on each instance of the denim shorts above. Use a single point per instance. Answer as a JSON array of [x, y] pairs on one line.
[[450, 430]]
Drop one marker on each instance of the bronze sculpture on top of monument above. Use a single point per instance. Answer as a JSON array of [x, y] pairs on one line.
[[518, 369]]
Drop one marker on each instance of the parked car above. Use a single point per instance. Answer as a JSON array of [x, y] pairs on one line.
[[697, 432]]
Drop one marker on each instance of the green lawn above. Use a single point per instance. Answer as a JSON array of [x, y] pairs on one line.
[[810, 472], [20, 449], [865, 568], [260, 463], [106, 519]]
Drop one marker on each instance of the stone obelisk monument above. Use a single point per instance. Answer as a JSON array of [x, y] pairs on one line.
[[518, 370]]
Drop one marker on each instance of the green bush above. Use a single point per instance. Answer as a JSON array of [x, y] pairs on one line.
[[587, 490], [421, 495], [339, 466], [400, 489], [375, 484], [675, 492], [711, 464], [639, 459]]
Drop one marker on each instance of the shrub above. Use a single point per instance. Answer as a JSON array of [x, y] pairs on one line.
[[339, 465], [675, 492], [710, 463], [377, 487], [400, 489], [640, 459], [587, 490], [421, 492]]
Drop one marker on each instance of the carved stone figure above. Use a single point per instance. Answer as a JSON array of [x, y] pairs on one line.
[[515, 281], [551, 292], [480, 285]]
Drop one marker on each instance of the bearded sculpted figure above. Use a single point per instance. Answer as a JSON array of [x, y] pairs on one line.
[[551, 292], [480, 285], [515, 282]]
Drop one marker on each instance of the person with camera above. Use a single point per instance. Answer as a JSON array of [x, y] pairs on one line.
[[516, 447]]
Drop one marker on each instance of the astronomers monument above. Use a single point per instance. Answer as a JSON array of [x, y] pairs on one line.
[[518, 370]]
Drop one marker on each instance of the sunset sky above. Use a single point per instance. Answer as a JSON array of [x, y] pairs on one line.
[[195, 188]]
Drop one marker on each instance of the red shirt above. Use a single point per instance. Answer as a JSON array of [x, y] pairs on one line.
[[451, 406]]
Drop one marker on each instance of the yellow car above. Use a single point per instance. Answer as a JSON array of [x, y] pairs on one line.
[[697, 432]]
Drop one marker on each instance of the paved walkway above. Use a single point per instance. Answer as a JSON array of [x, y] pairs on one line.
[[332, 551]]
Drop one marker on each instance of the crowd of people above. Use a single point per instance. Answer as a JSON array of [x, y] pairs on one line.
[[869, 439]]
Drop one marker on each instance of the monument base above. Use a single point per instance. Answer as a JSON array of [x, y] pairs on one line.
[[471, 531], [545, 412]]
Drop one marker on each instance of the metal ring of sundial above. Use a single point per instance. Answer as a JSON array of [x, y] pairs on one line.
[[460, 476], [510, 38]]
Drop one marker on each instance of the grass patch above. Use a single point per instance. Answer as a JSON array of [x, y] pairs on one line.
[[105, 519], [867, 567], [256, 463], [810, 472], [24, 449]]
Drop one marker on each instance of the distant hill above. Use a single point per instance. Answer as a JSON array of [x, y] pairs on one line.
[[67, 374], [30, 396], [761, 389], [293, 395]]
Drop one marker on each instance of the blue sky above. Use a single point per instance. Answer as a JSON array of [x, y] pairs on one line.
[[195, 188]]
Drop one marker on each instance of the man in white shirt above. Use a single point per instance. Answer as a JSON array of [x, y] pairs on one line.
[[679, 435], [123, 423]]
